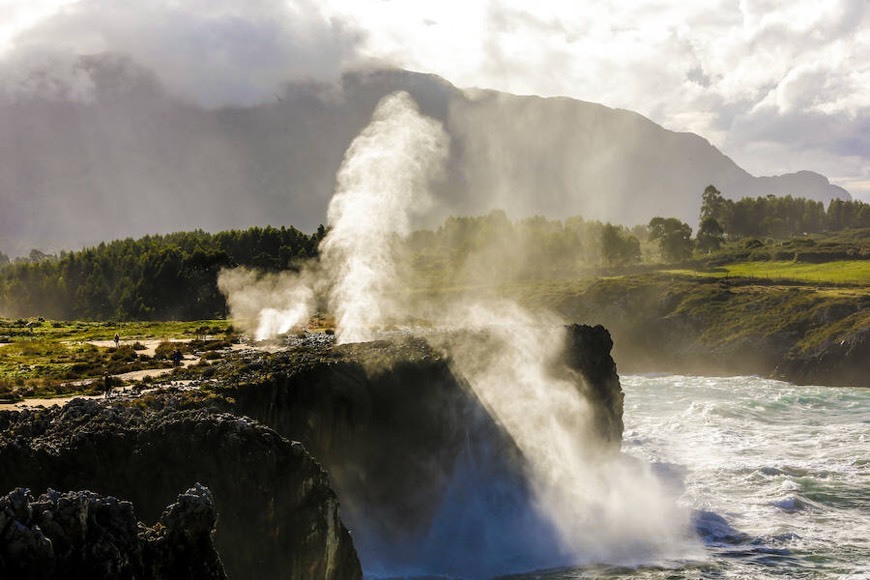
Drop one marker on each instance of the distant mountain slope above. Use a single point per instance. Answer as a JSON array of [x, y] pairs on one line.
[[134, 160]]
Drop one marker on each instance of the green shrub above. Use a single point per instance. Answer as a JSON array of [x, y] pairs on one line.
[[753, 244]]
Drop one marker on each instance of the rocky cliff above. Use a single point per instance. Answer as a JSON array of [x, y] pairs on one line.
[[81, 534], [421, 467], [278, 516], [803, 334]]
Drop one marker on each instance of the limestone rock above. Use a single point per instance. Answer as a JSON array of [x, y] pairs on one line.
[[81, 534], [278, 516]]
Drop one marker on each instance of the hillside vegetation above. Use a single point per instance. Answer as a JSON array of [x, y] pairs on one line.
[[809, 333], [793, 306], [153, 278]]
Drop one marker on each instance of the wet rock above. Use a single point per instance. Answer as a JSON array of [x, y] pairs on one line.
[[399, 432], [588, 351]]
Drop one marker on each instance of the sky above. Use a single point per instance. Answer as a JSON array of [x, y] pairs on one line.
[[777, 86]]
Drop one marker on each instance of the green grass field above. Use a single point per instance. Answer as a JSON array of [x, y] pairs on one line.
[[838, 272], [48, 358]]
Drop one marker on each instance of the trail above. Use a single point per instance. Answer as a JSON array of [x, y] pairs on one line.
[[149, 350]]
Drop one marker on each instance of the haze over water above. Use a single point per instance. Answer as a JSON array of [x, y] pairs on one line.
[[778, 475]]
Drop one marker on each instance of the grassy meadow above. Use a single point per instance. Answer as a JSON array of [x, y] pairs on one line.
[[47, 358], [846, 272]]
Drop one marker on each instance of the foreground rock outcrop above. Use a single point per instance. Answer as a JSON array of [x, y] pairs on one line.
[[81, 534], [278, 516]]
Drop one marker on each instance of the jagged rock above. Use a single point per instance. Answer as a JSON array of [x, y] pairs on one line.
[[279, 517], [588, 351], [180, 545], [80, 534]]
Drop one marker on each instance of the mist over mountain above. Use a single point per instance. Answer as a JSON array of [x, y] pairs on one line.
[[108, 154]]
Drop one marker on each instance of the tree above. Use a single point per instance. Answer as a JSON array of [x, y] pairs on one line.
[[848, 214], [710, 235], [714, 205], [674, 237], [618, 249]]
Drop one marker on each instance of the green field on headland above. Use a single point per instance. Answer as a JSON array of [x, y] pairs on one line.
[[796, 308], [46, 358], [837, 272]]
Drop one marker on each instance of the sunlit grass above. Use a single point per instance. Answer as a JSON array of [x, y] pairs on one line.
[[48, 358], [80, 331], [838, 272]]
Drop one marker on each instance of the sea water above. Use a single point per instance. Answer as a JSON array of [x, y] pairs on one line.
[[776, 475]]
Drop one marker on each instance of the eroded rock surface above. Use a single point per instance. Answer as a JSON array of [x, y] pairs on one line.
[[81, 534], [422, 468], [278, 516]]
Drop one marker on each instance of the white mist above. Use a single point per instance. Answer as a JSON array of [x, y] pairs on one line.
[[604, 507], [383, 182], [267, 305]]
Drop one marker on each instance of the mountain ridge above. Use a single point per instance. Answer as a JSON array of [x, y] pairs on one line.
[[131, 159]]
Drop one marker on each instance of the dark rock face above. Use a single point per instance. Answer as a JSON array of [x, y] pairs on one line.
[[81, 534], [389, 433], [588, 351], [835, 362], [421, 467], [278, 515]]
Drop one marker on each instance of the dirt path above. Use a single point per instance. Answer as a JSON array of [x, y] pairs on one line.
[[61, 401], [150, 346]]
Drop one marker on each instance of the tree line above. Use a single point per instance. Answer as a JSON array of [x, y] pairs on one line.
[[159, 277], [723, 219], [775, 217], [174, 276]]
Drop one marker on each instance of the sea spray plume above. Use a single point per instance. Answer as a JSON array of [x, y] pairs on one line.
[[382, 184], [604, 507], [266, 305]]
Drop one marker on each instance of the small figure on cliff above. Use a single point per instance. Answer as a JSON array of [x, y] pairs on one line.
[[176, 358], [117, 340], [107, 385]]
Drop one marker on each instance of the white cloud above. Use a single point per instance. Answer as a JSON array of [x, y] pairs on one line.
[[17, 16], [723, 69], [727, 71], [214, 52]]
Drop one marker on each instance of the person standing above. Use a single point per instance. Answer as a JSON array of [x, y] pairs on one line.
[[117, 340]]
